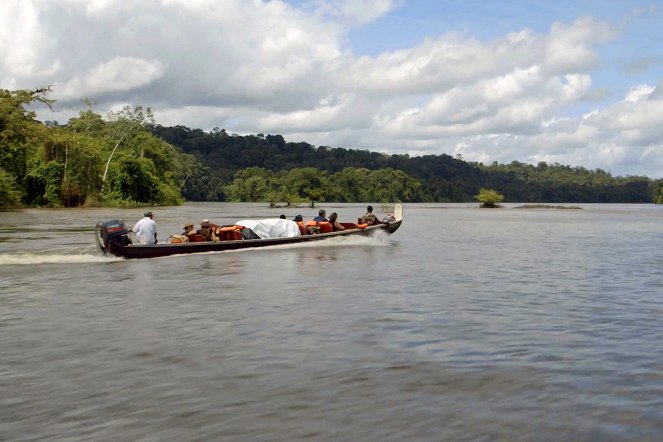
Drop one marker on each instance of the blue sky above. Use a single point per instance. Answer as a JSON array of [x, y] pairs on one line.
[[642, 34], [578, 83]]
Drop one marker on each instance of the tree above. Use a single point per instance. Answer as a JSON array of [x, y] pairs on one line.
[[20, 133], [657, 191], [489, 198], [307, 183], [123, 124], [81, 157], [252, 184], [88, 121], [390, 185], [10, 195], [349, 185]]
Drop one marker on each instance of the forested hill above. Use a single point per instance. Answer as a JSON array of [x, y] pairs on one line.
[[441, 177], [125, 159]]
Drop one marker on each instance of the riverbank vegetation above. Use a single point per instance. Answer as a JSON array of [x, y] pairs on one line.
[[91, 160], [125, 158]]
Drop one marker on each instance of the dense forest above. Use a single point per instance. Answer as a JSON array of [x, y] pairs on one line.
[[356, 175], [124, 158]]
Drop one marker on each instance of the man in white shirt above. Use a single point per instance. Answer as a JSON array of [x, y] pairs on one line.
[[146, 230]]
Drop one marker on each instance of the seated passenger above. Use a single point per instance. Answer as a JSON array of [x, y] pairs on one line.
[[369, 218], [300, 222], [207, 231], [336, 226], [188, 230], [321, 216], [185, 236]]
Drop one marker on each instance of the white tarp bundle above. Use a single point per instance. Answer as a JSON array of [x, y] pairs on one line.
[[271, 228]]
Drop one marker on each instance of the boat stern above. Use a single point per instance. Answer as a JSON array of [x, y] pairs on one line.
[[113, 231]]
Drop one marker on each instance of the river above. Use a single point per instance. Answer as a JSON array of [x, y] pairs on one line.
[[465, 324]]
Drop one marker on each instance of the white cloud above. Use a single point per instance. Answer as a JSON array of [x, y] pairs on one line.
[[118, 74], [354, 12], [95, 7], [20, 42], [637, 93], [271, 66], [572, 48], [364, 11]]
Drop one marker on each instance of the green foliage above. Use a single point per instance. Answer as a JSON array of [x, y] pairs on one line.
[[123, 158], [556, 183], [389, 185], [252, 184], [20, 134], [436, 177], [489, 198], [310, 184], [10, 195], [68, 165], [88, 121], [306, 183], [349, 185], [81, 156], [135, 179], [657, 191]]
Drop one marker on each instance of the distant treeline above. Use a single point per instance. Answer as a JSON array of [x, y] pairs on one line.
[[124, 158], [432, 178]]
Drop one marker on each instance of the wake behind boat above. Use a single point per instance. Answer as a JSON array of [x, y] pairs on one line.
[[113, 236]]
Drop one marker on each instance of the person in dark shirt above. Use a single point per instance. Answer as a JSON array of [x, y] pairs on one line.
[[321, 216]]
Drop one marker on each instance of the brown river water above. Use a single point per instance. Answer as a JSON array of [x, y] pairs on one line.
[[466, 324]]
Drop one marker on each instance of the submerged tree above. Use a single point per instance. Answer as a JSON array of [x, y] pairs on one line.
[[489, 198]]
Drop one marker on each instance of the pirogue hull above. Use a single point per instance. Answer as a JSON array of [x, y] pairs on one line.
[[113, 239], [156, 250]]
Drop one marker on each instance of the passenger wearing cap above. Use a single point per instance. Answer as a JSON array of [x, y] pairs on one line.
[[146, 230], [207, 231]]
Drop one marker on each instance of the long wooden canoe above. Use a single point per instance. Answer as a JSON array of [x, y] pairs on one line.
[[113, 239]]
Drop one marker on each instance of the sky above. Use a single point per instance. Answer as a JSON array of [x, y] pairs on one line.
[[572, 82]]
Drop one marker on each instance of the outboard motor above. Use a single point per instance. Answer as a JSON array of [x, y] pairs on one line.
[[114, 231]]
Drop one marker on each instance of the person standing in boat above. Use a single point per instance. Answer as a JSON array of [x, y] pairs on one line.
[[146, 229], [369, 218]]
